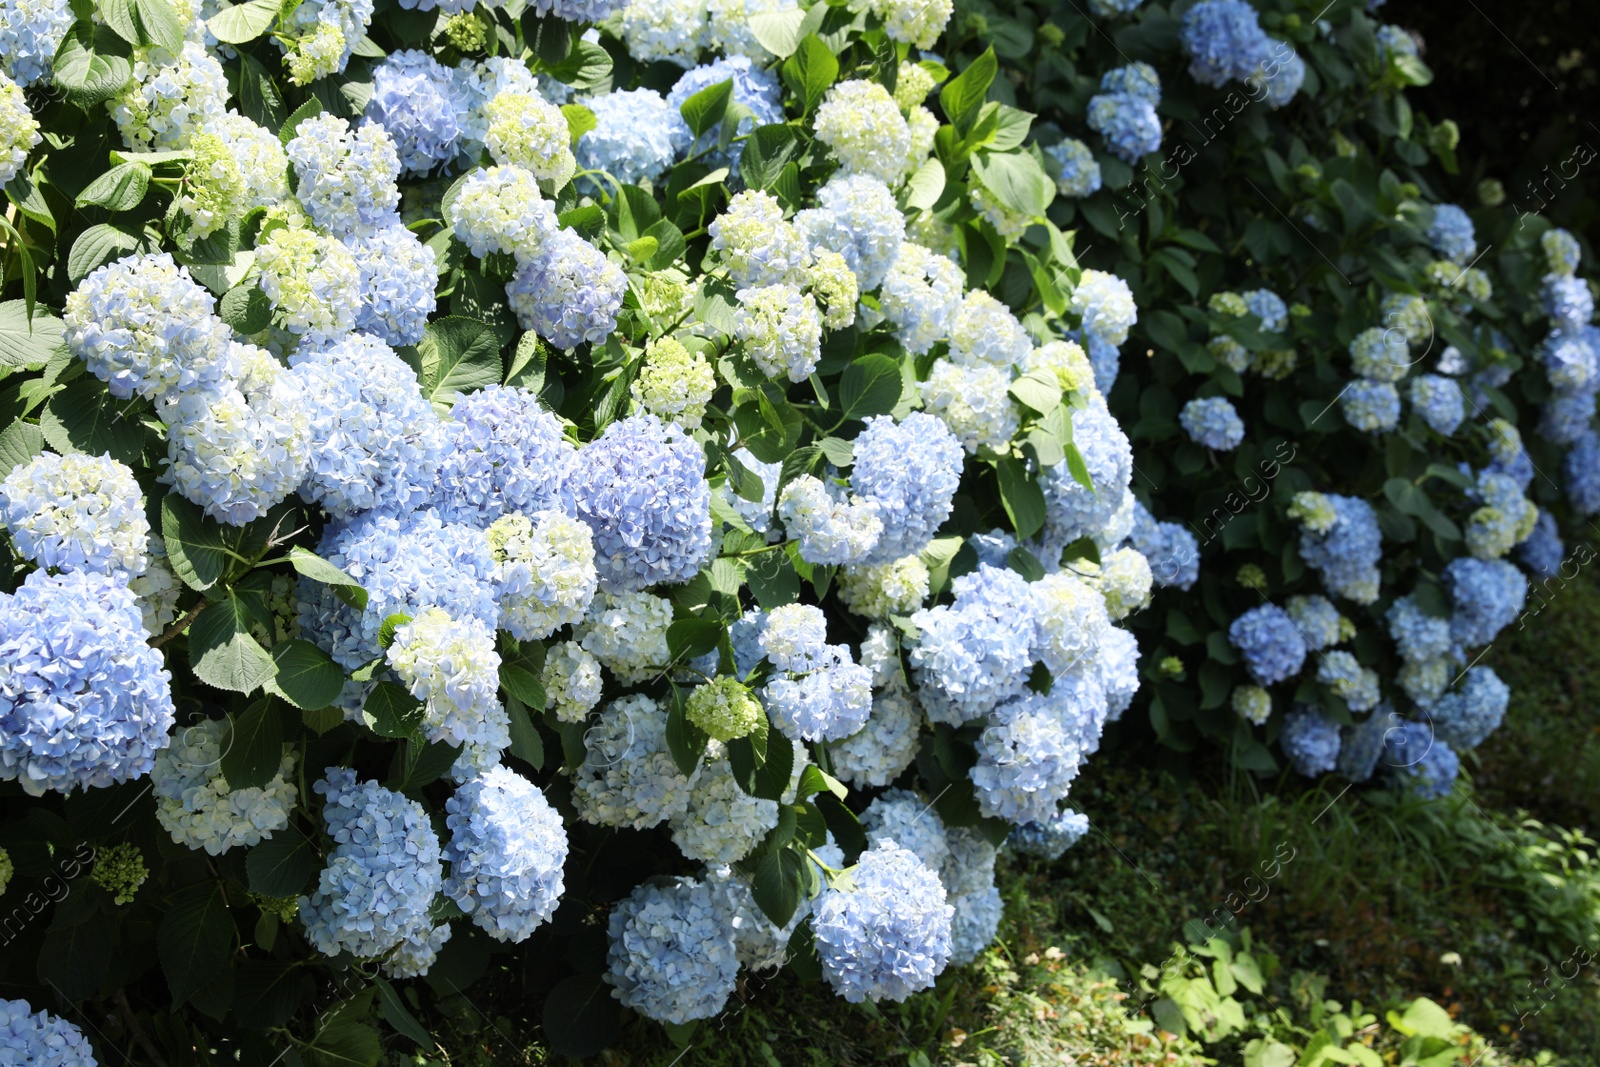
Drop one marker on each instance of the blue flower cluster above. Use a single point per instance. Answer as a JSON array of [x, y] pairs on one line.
[[84, 701], [636, 137], [672, 955], [1124, 112], [506, 851], [422, 104], [1451, 233], [1173, 552], [975, 653], [40, 1039], [856, 216], [1486, 595], [1272, 647], [1347, 552], [1419, 760], [76, 513], [1050, 840], [376, 892], [1212, 422], [1311, 740], [505, 454], [1225, 43], [886, 934], [1077, 172], [1464, 717], [1439, 402], [910, 470]]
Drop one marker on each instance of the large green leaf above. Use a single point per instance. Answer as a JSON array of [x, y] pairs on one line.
[[458, 355], [811, 71], [1021, 497], [243, 22], [195, 547], [19, 443], [1017, 180], [306, 676], [84, 417], [281, 865], [871, 385], [318, 569], [705, 108], [194, 939], [119, 189], [25, 343], [89, 77], [221, 650], [253, 749]]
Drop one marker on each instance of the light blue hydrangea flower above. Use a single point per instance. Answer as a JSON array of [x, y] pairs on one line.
[[144, 327], [910, 470], [313, 19], [1570, 362], [405, 565], [346, 179], [670, 30], [672, 956], [1561, 251], [171, 98], [1050, 839], [1173, 552], [1451, 233], [1439, 402], [398, 277], [84, 701], [451, 665], [1269, 307], [856, 216], [31, 32], [1119, 671], [1463, 718], [1581, 471], [500, 209], [1394, 41], [570, 293], [1542, 553], [1272, 648], [975, 923], [1136, 79], [1129, 124], [757, 245], [239, 450], [1028, 757], [1345, 678], [1105, 305], [1071, 511], [1346, 554], [76, 513], [975, 653], [885, 933], [1486, 594], [421, 103], [903, 818], [1419, 760], [1077, 172], [794, 637], [1222, 39], [504, 453], [1317, 620], [40, 1039], [544, 572], [1567, 300], [506, 851], [1418, 635], [827, 528], [921, 294], [1371, 406], [828, 703], [375, 442], [382, 875], [641, 487], [780, 329], [636, 138], [1311, 740], [577, 10], [1212, 422], [753, 88], [876, 754]]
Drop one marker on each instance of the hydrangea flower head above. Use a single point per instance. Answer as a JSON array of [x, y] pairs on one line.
[[1439, 402], [505, 454], [1028, 756], [1486, 595], [1311, 741], [398, 277], [1222, 38], [1105, 304], [144, 327], [975, 653], [921, 295], [544, 572], [885, 746], [668, 30], [1373, 407], [451, 665], [1273, 649], [757, 245], [1077, 171], [1561, 252], [1049, 840], [1252, 703], [572, 681], [1072, 511], [526, 130], [876, 590], [420, 103], [910, 470], [84, 701], [672, 955], [781, 330], [856, 216], [19, 131], [375, 442], [884, 934], [1451, 233], [1419, 760], [628, 633], [862, 125], [1381, 355], [41, 1039], [628, 777], [724, 708], [1212, 422], [723, 823], [637, 135], [1129, 124], [313, 282], [382, 875], [195, 804], [76, 513], [346, 178], [170, 99], [31, 32], [500, 209], [570, 293], [828, 703], [828, 528], [1347, 550], [506, 851]]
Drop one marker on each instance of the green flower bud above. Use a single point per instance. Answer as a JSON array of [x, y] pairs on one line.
[[120, 871], [1491, 193], [1252, 577], [724, 708]]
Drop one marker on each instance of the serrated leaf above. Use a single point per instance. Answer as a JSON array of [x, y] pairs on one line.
[[587, 66], [926, 185], [394, 711], [19, 443], [870, 386], [246, 309], [318, 569], [89, 77], [159, 24], [811, 71], [705, 109], [344, 1042], [85, 417], [253, 748], [306, 675], [222, 652], [281, 865], [779, 32], [776, 885], [522, 674], [1021, 497], [767, 151], [460, 355], [195, 547], [121, 188], [310, 109], [194, 939], [397, 1015], [25, 343], [97, 246], [964, 95]]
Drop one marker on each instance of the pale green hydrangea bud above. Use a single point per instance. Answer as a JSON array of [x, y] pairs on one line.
[[463, 32], [120, 871], [528, 131], [912, 84], [1491, 192], [675, 384], [1251, 576], [1171, 667], [316, 55], [895, 588], [834, 285], [6, 871], [1315, 510], [214, 187], [724, 708], [1252, 704], [1444, 137], [1125, 581], [1068, 362], [1230, 304], [1275, 364]]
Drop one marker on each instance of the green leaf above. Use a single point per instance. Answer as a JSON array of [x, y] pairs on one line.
[[97, 246], [527, 744], [19, 443], [253, 749], [688, 638], [1021, 497], [1017, 180], [221, 650], [195, 939], [685, 740], [266, 992], [580, 120], [120, 16], [259, 100], [281, 865], [195, 548], [870, 386], [767, 151], [1077, 467], [815, 780], [705, 109], [811, 71], [85, 417], [25, 343], [587, 66], [121, 188], [21, 191], [159, 24], [394, 711], [522, 674], [398, 1016], [776, 885], [581, 1018], [243, 22], [89, 77], [926, 185], [459, 355], [306, 676], [1039, 391], [246, 308], [344, 1042], [779, 32], [316, 568], [963, 95]]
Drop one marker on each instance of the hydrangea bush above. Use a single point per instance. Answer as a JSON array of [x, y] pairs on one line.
[[480, 479], [1359, 390]]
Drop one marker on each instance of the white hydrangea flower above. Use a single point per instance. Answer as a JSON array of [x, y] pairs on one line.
[[974, 402], [985, 331], [628, 777], [881, 589], [452, 667], [170, 99], [781, 329], [1124, 579], [19, 131], [76, 513], [863, 126], [197, 807], [544, 572], [312, 280], [664, 29], [500, 209], [921, 296], [721, 823], [757, 245], [674, 384], [528, 131], [572, 682], [627, 632]]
